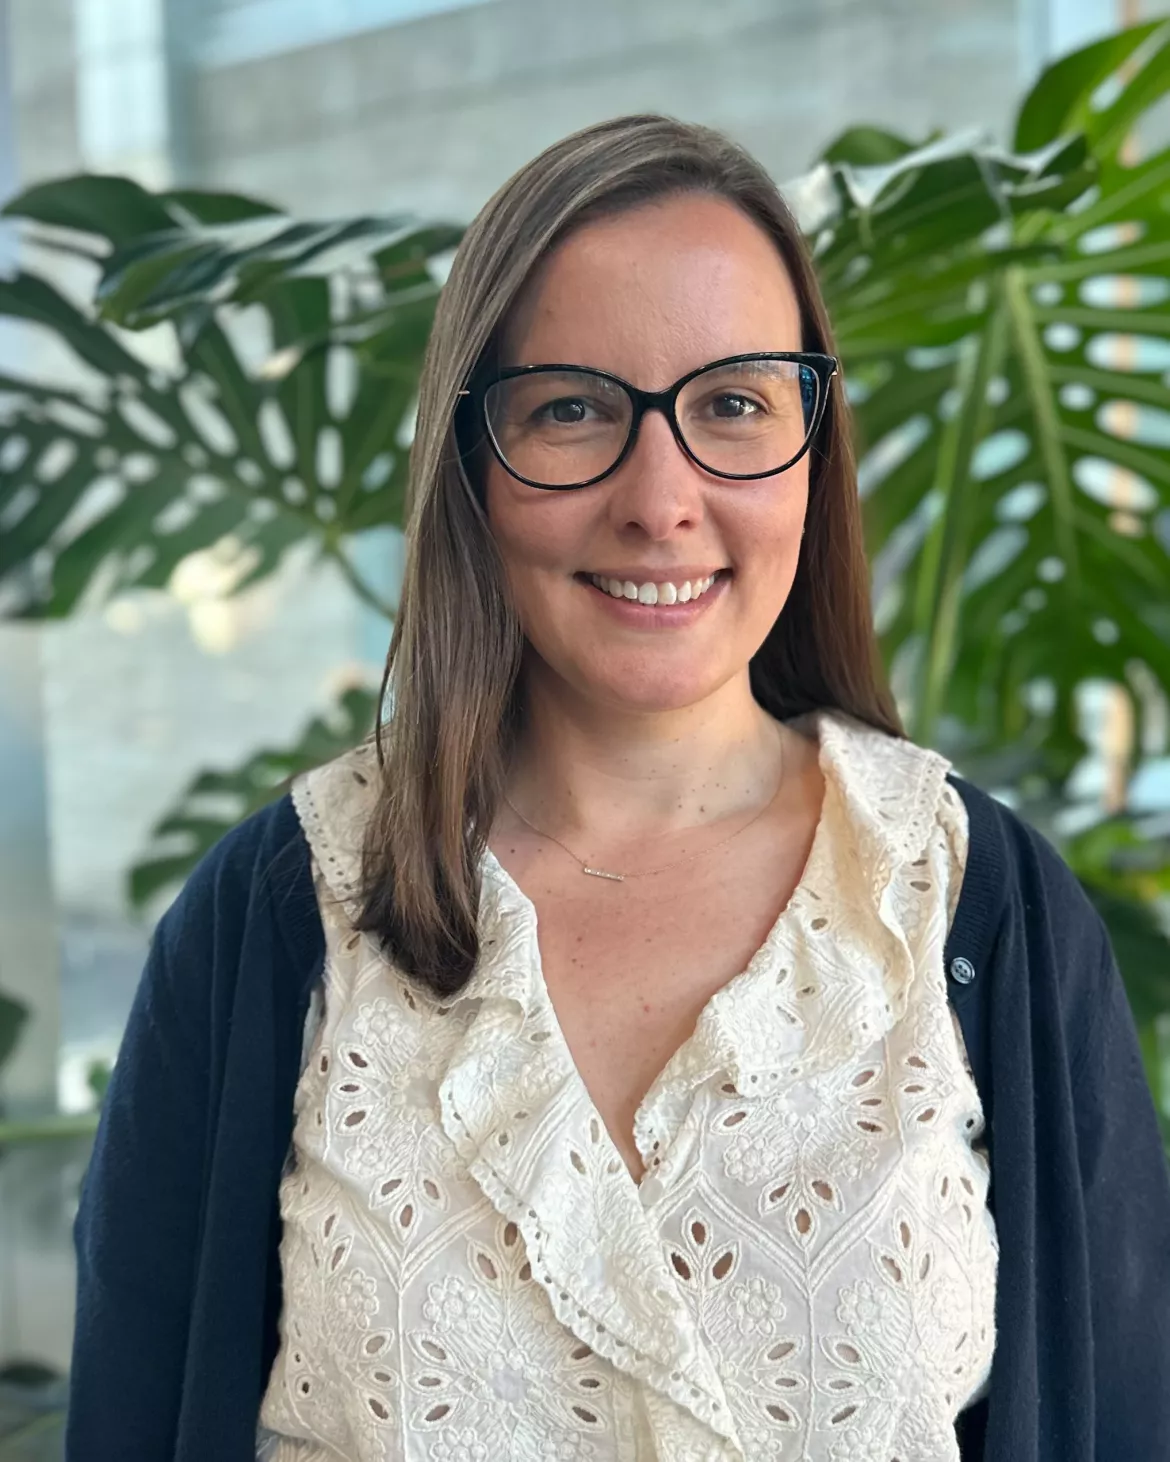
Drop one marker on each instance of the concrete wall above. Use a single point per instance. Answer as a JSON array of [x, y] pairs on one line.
[[433, 114], [44, 87]]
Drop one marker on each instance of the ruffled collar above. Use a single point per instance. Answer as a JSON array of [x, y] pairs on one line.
[[881, 797]]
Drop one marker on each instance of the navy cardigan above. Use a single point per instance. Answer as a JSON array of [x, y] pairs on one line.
[[178, 1230]]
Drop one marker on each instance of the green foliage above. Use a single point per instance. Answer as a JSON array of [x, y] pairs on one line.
[[97, 1079], [214, 802], [13, 1015], [1003, 318], [109, 482], [32, 1412]]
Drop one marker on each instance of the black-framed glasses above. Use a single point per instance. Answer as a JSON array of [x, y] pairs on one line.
[[743, 417]]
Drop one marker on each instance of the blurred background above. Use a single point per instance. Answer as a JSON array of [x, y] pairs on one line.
[[129, 674]]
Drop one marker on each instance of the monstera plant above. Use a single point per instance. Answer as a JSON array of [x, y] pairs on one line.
[[1003, 316]]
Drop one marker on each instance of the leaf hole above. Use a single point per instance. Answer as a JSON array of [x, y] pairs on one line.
[[723, 1265]]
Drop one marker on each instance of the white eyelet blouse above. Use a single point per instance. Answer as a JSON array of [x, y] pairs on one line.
[[807, 1270]]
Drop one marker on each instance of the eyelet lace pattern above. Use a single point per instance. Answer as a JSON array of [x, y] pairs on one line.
[[807, 1270]]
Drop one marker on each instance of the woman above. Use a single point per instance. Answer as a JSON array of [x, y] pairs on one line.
[[597, 1064]]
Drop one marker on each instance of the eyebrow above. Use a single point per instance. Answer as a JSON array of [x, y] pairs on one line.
[[610, 377]]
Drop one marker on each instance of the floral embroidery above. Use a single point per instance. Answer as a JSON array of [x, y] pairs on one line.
[[459, 1446], [744, 1318], [357, 1298], [906, 1345], [757, 1307], [451, 1304], [383, 1098], [489, 1364], [796, 1147], [332, 1310], [807, 1273]]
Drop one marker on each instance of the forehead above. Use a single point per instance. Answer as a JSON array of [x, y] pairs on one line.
[[656, 291]]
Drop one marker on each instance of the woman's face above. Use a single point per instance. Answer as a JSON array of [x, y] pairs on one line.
[[650, 295]]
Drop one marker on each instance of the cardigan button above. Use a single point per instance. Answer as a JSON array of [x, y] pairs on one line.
[[962, 971]]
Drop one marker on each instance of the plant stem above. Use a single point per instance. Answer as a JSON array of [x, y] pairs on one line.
[[945, 552], [39, 1425], [48, 1129], [356, 582], [1034, 369]]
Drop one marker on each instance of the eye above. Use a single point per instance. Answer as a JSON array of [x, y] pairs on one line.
[[729, 405], [564, 411]]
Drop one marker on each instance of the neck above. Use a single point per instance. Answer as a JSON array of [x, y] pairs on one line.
[[611, 777]]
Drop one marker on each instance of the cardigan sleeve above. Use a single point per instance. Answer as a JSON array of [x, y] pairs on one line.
[[1126, 1187], [137, 1231], [177, 1271]]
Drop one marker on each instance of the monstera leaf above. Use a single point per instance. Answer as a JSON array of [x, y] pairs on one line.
[[264, 429], [1004, 322], [13, 1015], [215, 801]]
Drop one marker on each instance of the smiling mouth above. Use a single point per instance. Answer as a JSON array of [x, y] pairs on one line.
[[654, 592]]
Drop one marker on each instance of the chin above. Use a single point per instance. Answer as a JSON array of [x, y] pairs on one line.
[[646, 692]]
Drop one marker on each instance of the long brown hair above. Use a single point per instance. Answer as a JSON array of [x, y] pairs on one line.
[[454, 659]]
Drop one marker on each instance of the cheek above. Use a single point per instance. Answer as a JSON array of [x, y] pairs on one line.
[[537, 533], [764, 530]]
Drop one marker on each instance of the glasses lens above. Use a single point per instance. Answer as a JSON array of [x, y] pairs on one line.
[[750, 417], [558, 428]]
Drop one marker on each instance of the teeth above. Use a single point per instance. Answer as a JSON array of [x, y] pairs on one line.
[[650, 593]]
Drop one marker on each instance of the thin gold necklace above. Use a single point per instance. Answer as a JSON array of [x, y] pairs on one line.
[[649, 872]]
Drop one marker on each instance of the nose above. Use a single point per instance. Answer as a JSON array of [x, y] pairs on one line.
[[657, 488]]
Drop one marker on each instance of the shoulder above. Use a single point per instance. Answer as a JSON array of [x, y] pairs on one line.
[[261, 867], [1010, 868], [1011, 862], [1025, 920], [237, 951], [334, 803]]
